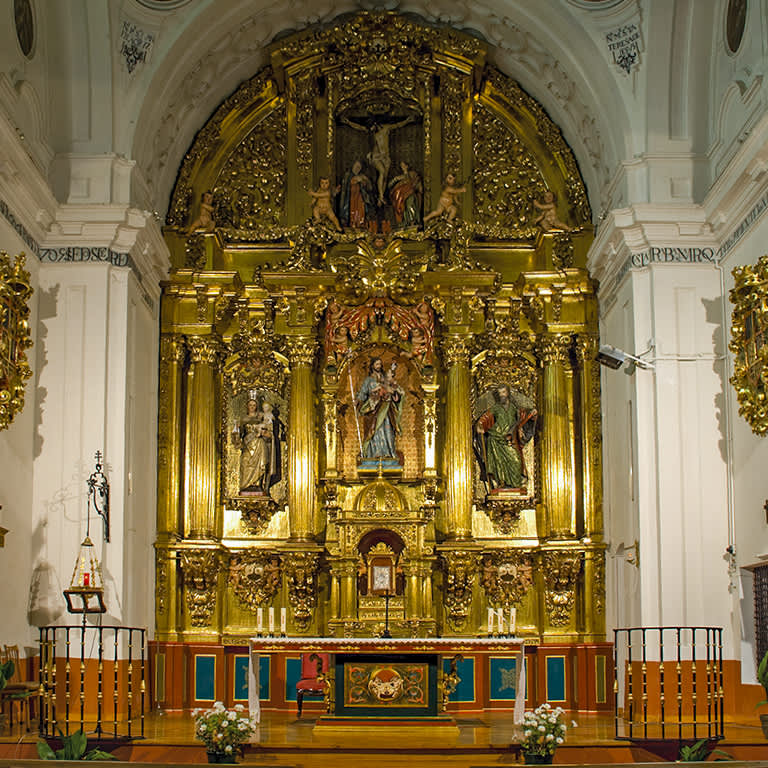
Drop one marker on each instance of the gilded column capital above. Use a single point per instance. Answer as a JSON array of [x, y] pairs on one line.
[[554, 348], [455, 350], [585, 348], [205, 349], [173, 348], [301, 349]]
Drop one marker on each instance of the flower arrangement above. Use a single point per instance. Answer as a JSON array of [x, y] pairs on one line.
[[223, 730], [543, 731]]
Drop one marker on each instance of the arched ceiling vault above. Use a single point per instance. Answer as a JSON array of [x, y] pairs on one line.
[[543, 47]]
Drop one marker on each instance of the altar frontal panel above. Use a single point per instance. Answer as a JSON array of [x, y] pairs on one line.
[[387, 685]]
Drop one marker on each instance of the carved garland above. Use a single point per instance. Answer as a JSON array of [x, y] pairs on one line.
[[200, 569], [749, 333], [460, 569], [300, 575], [15, 292], [561, 574]]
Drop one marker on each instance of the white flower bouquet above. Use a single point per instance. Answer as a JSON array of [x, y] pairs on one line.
[[223, 730], [543, 730]]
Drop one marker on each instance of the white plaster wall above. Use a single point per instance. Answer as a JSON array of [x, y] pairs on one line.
[[18, 445], [98, 339], [669, 315]]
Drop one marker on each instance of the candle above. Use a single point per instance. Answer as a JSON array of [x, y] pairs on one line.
[[491, 615], [282, 621], [512, 620], [271, 620], [259, 620]]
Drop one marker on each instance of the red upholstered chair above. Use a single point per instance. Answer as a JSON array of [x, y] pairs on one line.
[[314, 677]]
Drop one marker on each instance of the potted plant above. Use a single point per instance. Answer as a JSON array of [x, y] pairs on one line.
[[543, 732], [762, 678], [223, 731]]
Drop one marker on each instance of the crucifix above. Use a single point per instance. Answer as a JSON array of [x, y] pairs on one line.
[[386, 632]]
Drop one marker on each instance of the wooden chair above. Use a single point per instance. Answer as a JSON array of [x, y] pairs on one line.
[[314, 677], [18, 691]]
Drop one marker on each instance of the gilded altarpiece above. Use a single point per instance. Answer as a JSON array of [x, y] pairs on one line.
[[378, 376]]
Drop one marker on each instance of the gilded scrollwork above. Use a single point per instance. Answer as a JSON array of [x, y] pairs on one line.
[[15, 292], [562, 571], [255, 576], [599, 581], [460, 568], [506, 577], [161, 582], [749, 332], [200, 569], [300, 569], [506, 181], [453, 93]]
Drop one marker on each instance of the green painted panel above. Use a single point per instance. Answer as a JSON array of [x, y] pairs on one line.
[[205, 678], [555, 678]]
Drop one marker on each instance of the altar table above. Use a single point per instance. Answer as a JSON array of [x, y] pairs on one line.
[[386, 652]]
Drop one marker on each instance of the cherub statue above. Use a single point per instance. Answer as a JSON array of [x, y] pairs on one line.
[[322, 206], [204, 219], [548, 219], [448, 204]]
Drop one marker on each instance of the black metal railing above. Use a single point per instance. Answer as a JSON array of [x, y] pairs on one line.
[[668, 683], [78, 688]]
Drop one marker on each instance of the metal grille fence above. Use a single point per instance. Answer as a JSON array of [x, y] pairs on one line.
[[92, 678], [668, 683]]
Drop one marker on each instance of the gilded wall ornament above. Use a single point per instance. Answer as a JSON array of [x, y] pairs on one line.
[[561, 576], [255, 576], [15, 292], [749, 324], [506, 577], [459, 577], [200, 569], [300, 574]]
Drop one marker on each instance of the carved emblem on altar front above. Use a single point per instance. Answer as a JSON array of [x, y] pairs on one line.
[[255, 576]]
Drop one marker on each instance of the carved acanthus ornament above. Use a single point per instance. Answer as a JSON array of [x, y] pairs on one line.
[[15, 340], [749, 329], [599, 581], [460, 568], [507, 576], [205, 350], [561, 576], [300, 570], [253, 363], [301, 350], [200, 569], [161, 582], [554, 349], [255, 576], [194, 252], [562, 251], [455, 351], [453, 92]]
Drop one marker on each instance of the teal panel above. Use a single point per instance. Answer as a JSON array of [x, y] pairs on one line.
[[205, 678], [503, 678], [292, 676], [465, 690], [555, 678], [241, 678], [264, 679]]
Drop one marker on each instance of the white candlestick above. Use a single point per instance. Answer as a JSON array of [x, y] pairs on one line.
[[282, 621], [259, 620], [491, 615], [512, 620], [271, 620]]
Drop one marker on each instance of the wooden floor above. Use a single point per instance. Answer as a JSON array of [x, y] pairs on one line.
[[471, 741]]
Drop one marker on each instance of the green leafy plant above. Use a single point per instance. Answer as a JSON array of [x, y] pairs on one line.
[[73, 747], [699, 752], [762, 677], [223, 730], [6, 673]]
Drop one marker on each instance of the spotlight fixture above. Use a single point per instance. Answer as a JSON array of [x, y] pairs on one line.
[[614, 358]]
